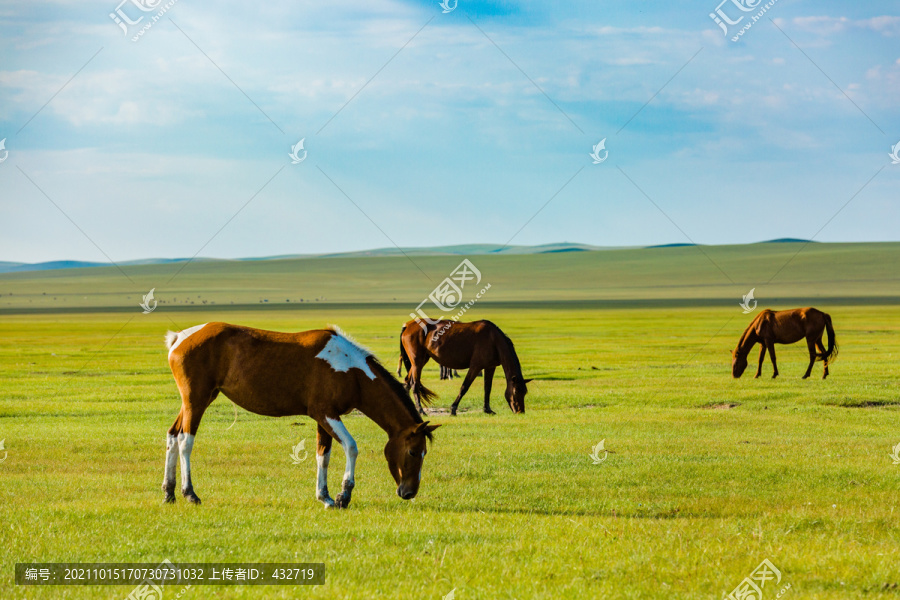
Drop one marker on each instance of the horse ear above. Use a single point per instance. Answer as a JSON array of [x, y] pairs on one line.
[[431, 428], [529, 380]]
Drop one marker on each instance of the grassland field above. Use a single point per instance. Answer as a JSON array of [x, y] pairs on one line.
[[706, 476]]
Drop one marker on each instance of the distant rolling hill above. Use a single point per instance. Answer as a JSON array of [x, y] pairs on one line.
[[783, 274], [460, 250]]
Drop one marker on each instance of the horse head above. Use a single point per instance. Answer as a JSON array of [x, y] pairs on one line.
[[516, 389], [738, 364], [405, 453]]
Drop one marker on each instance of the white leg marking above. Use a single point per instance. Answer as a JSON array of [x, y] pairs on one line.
[[185, 445], [350, 449], [185, 334], [322, 479], [171, 459]]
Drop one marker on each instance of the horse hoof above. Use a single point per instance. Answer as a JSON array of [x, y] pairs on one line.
[[342, 501], [453, 412], [489, 412], [170, 499], [192, 498]]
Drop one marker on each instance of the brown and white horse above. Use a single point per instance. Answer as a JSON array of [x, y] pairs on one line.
[[786, 327], [322, 374], [478, 346]]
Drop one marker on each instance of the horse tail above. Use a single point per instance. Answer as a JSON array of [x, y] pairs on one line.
[[832, 351], [426, 396], [171, 336], [404, 357]]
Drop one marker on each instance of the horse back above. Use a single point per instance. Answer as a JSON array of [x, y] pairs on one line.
[[266, 372]]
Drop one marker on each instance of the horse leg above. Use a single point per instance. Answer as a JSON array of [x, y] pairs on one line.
[[168, 484], [470, 377], [821, 347], [323, 455], [415, 376], [350, 450], [191, 413], [762, 358], [772, 356], [488, 381], [811, 345]]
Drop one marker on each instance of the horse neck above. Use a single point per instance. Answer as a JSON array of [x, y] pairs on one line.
[[381, 403], [509, 360], [747, 340]]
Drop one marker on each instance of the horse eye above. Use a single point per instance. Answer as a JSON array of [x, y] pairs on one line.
[[410, 452]]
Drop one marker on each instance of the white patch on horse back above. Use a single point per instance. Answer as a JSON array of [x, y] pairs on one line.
[[185, 334], [343, 355]]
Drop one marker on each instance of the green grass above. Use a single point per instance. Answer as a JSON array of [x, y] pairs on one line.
[[688, 502]]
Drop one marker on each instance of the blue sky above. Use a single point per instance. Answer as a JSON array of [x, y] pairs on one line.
[[157, 144]]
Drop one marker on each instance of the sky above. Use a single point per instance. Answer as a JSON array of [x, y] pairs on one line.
[[422, 127]]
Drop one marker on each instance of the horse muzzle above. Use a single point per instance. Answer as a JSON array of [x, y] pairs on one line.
[[406, 493]]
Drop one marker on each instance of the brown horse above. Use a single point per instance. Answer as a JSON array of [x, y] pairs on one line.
[[786, 327], [478, 346], [321, 374]]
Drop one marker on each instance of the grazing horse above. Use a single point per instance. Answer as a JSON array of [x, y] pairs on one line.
[[478, 346], [786, 327], [322, 374]]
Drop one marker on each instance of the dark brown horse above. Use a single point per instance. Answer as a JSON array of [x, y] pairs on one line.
[[477, 346], [786, 327], [321, 373]]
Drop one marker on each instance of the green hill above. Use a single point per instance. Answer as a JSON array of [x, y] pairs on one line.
[[782, 273]]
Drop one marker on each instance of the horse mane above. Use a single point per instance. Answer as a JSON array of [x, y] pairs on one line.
[[399, 391], [508, 356], [751, 330], [395, 386]]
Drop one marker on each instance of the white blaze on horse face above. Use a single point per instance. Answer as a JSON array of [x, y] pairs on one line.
[[185, 334], [350, 449], [343, 355]]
